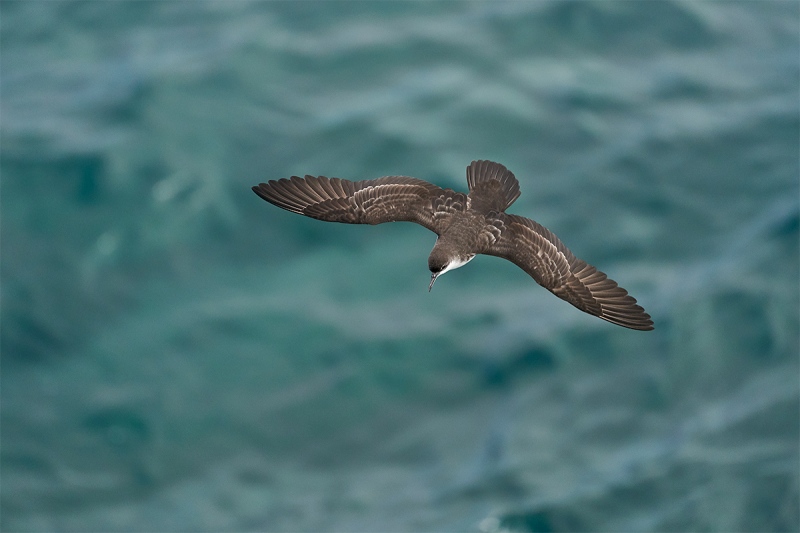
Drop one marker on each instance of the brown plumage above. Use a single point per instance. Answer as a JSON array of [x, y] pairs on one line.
[[466, 225]]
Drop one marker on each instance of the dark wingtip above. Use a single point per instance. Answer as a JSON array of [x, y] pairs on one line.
[[258, 189], [641, 326], [642, 322]]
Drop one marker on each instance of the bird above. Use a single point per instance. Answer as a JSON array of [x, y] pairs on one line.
[[466, 225]]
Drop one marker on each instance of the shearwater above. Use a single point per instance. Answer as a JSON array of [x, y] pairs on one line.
[[466, 225]]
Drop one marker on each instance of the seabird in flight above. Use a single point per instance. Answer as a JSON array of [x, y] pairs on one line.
[[467, 225]]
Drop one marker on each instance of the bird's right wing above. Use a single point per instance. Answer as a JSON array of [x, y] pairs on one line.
[[536, 250], [387, 199]]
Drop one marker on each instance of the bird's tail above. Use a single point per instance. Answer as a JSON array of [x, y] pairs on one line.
[[492, 185]]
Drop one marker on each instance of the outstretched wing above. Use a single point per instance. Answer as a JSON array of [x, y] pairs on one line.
[[541, 254], [387, 199]]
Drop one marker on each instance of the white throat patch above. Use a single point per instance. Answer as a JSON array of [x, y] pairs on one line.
[[455, 263]]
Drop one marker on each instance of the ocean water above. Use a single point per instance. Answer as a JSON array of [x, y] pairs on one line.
[[178, 355]]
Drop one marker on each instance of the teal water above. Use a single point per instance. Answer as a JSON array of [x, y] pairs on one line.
[[178, 355]]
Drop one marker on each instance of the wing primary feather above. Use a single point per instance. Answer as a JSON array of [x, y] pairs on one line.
[[279, 191], [316, 185], [302, 190], [327, 186], [271, 192]]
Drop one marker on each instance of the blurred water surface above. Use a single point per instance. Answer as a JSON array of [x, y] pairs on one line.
[[178, 355]]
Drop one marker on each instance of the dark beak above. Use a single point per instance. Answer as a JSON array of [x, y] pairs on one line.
[[433, 278]]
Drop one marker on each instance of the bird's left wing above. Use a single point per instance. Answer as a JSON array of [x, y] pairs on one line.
[[536, 250], [387, 199]]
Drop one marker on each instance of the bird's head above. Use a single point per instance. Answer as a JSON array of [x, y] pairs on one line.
[[441, 260]]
